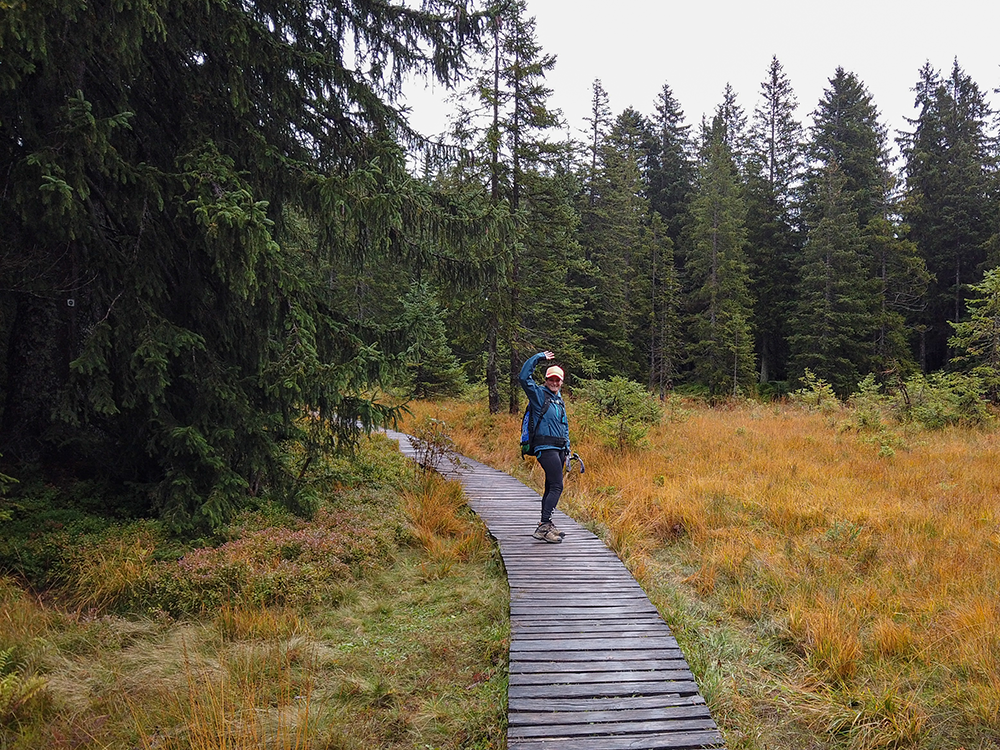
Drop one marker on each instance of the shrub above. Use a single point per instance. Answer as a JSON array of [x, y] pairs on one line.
[[275, 566], [620, 411], [816, 393], [113, 569], [433, 443], [943, 399]]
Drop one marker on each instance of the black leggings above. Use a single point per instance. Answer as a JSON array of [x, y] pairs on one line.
[[552, 464]]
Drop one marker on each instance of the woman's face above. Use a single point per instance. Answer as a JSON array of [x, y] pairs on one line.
[[553, 383]]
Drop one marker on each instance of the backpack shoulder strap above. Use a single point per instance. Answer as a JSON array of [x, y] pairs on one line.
[[549, 398]]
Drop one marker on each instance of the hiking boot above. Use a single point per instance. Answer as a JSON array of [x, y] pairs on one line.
[[546, 532], [558, 531]]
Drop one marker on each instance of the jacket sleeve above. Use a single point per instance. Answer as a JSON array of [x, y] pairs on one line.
[[531, 388]]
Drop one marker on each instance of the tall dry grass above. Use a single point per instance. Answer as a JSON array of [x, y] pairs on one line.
[[873, 573]]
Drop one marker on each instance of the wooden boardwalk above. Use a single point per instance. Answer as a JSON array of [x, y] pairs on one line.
[[593, 666]]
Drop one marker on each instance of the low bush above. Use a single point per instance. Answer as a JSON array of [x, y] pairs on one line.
[[619, 411]]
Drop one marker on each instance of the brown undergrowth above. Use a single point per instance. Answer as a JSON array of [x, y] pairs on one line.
[[828, 592]]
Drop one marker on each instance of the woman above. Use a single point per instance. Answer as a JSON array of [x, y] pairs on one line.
[[550, 439]]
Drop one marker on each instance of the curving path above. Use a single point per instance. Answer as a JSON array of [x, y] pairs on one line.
[[593, 666]]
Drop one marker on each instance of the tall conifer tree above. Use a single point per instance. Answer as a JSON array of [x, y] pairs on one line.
[[950, 202], [721, 343], [774, 172], [613, 235], [832, 328], [672, 172], [847, 139], [177, 177]]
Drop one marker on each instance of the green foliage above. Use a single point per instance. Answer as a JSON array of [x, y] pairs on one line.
[[950, 201], [815, 393], [21, 693], [722, 347], [943, 399], [619, 410], [834, 316], [870, 408], [432, 368], [774, 171], [173, 218], [978, 338]]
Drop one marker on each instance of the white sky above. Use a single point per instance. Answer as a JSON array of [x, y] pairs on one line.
[[635, 46]]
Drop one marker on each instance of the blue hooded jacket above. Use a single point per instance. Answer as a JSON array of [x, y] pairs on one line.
[[553, 422]]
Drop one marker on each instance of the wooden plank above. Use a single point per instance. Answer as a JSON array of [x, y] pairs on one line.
[[603, 689], [549, 730], [623, 665], [560, 677], [620, 645], [621, 703], [668, 741], [565, 718]]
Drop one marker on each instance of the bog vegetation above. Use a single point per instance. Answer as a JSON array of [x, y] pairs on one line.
[[378, 623], [830, 569]]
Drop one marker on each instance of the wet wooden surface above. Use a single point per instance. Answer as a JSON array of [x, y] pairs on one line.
[[593, 666]]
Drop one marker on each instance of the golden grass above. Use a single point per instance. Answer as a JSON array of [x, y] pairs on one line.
[[865, 565], [433, 510]]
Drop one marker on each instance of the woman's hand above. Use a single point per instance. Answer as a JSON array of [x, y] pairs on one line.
[[549, 355]]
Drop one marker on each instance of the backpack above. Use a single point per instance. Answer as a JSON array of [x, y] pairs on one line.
[[528, 425]]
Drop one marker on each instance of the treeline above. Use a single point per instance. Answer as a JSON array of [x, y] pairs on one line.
[[216, 262], [732, 255]]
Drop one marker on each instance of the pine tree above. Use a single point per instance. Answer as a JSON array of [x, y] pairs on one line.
[[612, 233], [178, 178], [977, 340], [431, 367], [775, 169], [834, 316], [950, 203], [672, 172], [721, 334]]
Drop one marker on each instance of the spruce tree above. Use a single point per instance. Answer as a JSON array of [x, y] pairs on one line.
[[832, 327], [848, 139], [178, 178], [950, 203], [512, 94], [976, 340], [664, 323], [612, 232], [432, 369], [774, 172], [721, 343], [672, 172], [847, 131]]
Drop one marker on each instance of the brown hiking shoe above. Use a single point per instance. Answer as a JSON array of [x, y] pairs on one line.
[[546, 532]]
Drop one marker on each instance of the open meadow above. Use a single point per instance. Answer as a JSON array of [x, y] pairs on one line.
[[832, 578]]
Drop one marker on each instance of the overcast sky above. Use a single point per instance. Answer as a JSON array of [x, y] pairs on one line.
[[635, 47]]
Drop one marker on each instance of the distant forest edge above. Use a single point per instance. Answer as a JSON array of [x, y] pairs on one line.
[[209, 229]]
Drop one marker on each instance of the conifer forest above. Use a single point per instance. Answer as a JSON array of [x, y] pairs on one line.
[[215, 219]]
